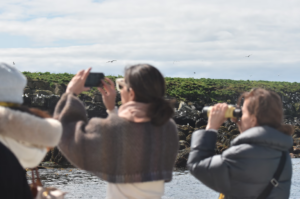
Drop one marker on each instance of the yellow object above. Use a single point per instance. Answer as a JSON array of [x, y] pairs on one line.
[[222, 196], [228, 114], [8, 104]]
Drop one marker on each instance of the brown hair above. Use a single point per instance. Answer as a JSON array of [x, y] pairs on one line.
[[266, 106], [149, 86], [32, 111]]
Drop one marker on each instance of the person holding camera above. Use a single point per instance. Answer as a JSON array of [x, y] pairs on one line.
[[134, 148], [257, 164], [26, 134]]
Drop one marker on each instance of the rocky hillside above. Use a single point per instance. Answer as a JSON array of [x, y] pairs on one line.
[[44, 90]]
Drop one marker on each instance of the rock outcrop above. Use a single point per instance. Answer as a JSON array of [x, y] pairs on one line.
[[188, 117]]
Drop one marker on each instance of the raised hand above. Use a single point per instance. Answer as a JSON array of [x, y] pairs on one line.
[[76, 85], [109, 94], [217, 116]]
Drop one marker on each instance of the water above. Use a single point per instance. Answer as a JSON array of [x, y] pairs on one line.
[[81, 184]]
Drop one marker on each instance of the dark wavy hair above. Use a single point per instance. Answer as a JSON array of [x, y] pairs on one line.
[[149, 86]]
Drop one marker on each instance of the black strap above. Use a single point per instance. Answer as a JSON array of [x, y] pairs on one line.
[[274, 181]]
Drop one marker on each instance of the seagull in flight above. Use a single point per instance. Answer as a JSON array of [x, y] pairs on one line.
[[248, 56], [111, 61]]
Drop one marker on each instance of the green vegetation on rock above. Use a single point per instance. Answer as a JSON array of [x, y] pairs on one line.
[[203, 91]]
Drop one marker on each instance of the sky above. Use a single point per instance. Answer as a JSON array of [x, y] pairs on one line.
[[182, 38]]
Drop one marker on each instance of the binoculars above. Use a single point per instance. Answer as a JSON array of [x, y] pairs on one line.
[[232, 112]]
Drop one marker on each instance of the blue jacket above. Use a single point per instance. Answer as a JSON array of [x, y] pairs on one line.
[[244, 169]]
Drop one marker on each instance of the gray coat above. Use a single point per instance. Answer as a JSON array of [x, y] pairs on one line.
[[244, 169]]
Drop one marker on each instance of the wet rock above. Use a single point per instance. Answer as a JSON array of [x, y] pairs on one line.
[[183, 144], [297, 132], [186, 115], [42, 92], [181, 135], [296, 141], [200, 122], [231, 127], [95, 109], [38, 84], [85, 98], [57, 157], [97, 98], [189, 138], [292, 155], [220, 148], [186, 129], [234, 132], [296, 149], [59, 89], [202, 127], [182, 158]]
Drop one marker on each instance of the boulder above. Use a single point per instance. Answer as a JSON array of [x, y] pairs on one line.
[[189, 138], [200, 122], [57, 157], [186, 129], [186, 115], [182, 158], [183, 144], [181, 135], [59, 89]]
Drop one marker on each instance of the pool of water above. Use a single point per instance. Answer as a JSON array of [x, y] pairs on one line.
[[81, 184]]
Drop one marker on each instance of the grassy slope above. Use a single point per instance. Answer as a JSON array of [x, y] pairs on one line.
[[204, 91]]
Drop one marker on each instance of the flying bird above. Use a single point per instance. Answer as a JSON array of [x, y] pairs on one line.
[[194, 72], [111, 61], [248, 56], [14, 63]]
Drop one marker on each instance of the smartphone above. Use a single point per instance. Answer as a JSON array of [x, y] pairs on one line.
[[94, 80]]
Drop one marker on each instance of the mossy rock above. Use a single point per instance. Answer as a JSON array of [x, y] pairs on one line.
[[296, 141], [185, 129], [182, 158], [222, 129], [190, 103], [38, 84], [189, 138], [181, 135], [119, 103], [235, 132], [183, 144], [202, 127], [43, 92], [97, 98], [234, 136], [297, 132], [27, 90]]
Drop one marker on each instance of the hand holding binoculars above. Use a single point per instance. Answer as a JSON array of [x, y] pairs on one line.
[[232, 111]]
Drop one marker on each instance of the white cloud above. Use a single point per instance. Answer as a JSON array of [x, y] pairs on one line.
[[212, 37]]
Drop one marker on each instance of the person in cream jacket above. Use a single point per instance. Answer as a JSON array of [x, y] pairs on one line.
[[28, 136], [25, 134]]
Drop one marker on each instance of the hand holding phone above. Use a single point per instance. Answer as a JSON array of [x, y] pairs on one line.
[[76, 85]]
